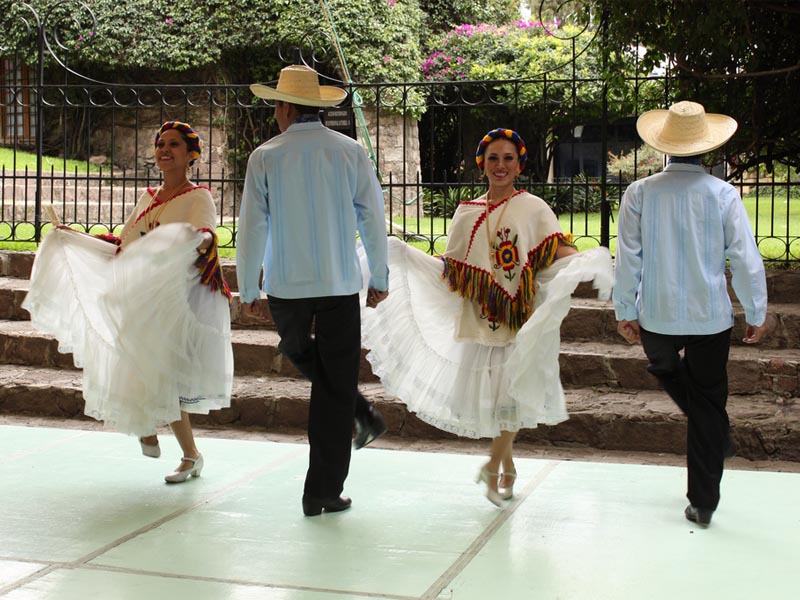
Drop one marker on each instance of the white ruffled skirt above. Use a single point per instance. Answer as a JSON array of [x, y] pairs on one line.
[[470, 389], [151, 339]]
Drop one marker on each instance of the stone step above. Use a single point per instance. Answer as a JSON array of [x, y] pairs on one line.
[[599, 418], [255, 351], [74, 210], [752, 369], [13, 291], [97, 212], [783, 286], [589, 320], [592, 320], [69, 190], [18, 265]]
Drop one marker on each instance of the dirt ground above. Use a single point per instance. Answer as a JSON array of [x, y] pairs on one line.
[[461, 446]]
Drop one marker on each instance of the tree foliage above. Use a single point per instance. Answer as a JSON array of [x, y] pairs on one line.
[[443, 15], [223, 38], [548, 75], [737, 57], [520, 50]]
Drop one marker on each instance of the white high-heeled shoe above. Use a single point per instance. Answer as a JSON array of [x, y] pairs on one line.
[[193, 471], [151, 450], [507, 493], [485, 476]]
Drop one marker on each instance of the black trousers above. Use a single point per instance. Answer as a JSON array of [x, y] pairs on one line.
[[330, 360], [698, 383]]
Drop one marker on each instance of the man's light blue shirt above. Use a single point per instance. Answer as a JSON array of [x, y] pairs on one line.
[[676, 229], [306, 193]]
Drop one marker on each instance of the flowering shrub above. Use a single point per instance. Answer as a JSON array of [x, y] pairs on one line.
[[629, 167], [480, 52], [443, 66]]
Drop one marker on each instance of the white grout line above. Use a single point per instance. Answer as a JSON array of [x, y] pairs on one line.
[[38, 449], [433, 592], [249, 583], [455, 569], [32, 577], [84, 561], [81, 562]]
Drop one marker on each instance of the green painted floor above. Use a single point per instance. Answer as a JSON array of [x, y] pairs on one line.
[[84, 515]]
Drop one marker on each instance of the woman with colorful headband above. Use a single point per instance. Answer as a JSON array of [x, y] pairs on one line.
[[470, 340], [147, 316]]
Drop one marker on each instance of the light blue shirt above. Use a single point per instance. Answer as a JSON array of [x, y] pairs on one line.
[[306, 193], [676, 228]]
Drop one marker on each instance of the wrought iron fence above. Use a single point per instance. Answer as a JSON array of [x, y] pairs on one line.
[[420, 135]]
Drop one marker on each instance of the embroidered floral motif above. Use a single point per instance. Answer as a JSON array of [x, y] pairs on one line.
[[491, 320], [506, 253]]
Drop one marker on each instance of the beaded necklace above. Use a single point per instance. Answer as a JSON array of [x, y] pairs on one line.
[[152, 213]]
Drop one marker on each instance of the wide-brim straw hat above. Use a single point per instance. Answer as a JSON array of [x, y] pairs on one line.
[[299, 84], [685, 129]]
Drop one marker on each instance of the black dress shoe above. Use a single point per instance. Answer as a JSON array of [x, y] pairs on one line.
[[701, 516], [314, 506], [369, 427]]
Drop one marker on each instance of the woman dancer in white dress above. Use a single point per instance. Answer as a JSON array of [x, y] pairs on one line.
[[470, 340], [146, 316]]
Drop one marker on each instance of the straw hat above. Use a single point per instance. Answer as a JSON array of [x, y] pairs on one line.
[[685, 129], [299, 84]]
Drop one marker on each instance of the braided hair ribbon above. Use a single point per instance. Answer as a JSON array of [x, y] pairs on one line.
[[499, 134], [193, 142]]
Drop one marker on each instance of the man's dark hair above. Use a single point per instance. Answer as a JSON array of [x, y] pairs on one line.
[[307, 110], [302, 109]]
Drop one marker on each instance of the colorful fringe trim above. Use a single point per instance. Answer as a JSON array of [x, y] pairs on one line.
[[479, 286], [110, 238], [211, 269]]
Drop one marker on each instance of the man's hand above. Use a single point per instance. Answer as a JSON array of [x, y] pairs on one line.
[[258, 309], [754, 333], [630, 331], [375, 297]]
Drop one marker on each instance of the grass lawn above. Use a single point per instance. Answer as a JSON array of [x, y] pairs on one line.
[[582, 227], [25, 231], [772, 223], [28, 159]]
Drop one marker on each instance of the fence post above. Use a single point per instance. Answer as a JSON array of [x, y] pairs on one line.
[[605, 208], [37, 219]]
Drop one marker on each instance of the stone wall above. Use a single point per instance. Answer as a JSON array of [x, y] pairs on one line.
[[399, 154], [131, 148], [128, 145]]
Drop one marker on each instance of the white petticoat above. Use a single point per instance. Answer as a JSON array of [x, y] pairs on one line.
[[470, 389], [150, 338]]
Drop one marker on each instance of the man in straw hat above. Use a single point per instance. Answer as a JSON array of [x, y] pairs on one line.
[[307, 192], [676, 230]]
